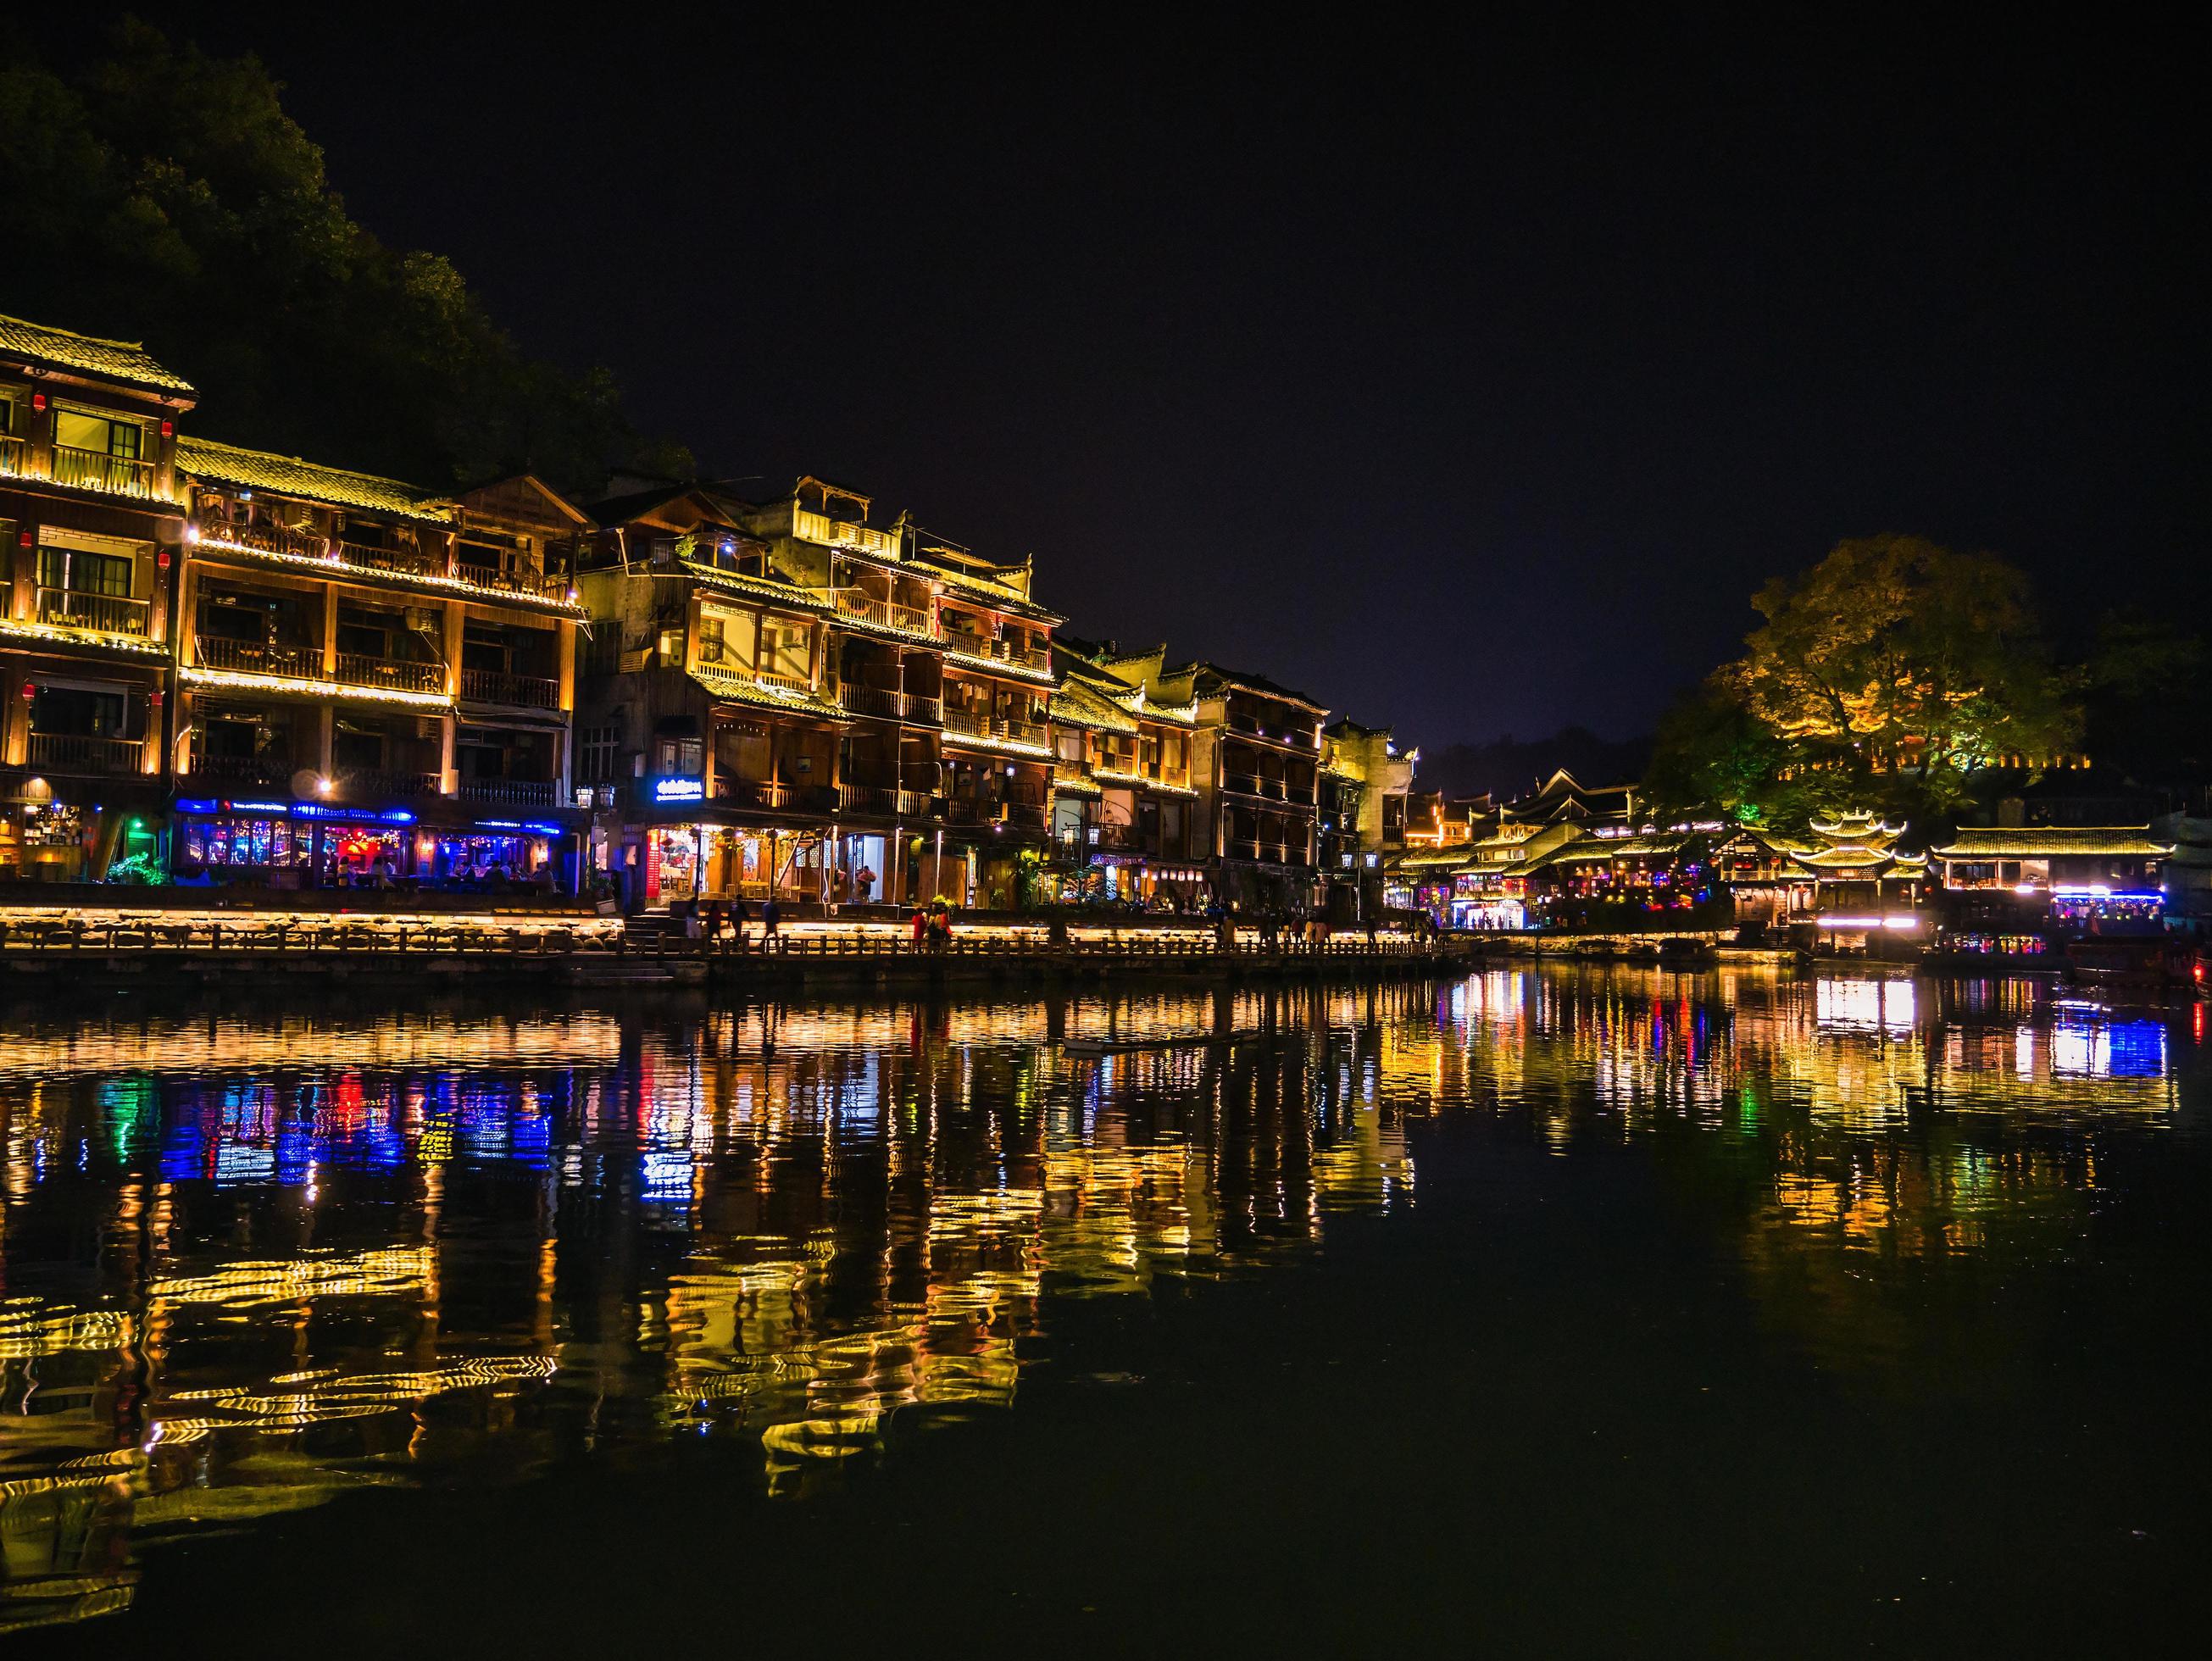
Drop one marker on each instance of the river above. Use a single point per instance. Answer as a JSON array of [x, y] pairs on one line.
[[1544, 1311]]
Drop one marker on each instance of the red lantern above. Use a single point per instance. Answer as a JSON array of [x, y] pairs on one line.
[[38, 401], [23, 537], [162, 559], [168, 429], [155, 697], [30, 691]]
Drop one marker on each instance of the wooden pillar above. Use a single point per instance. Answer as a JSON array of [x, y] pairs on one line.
[[330, 655]]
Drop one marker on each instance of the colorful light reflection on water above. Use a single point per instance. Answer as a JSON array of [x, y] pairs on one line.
[[253, 1262]]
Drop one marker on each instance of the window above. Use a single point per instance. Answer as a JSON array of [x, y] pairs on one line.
[[711, 647], [80, 430], [82, 573], [680, 757], [596, 758], [785, 650]]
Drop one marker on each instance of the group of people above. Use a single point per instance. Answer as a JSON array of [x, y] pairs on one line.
[[709, 917], [931, 927]]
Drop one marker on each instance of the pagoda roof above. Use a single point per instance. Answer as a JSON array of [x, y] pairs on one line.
[[2046, 841], [63, 348], [308, 481]]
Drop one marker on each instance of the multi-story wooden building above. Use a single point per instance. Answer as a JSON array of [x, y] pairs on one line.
[[710, 731], [373, 678], [1255, 761], [91, 514], [1366, 782], [1125, 809]]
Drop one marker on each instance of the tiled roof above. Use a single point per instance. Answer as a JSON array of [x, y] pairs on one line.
[[117, 360], [2044, 841], [1075, 704], [762, 694], [1860, 859], [257, 470], [753, 587]]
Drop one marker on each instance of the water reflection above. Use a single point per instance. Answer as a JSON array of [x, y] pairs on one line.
[[252, 1262]]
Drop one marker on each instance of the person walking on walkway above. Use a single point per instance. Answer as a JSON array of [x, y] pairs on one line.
[[770, 916]]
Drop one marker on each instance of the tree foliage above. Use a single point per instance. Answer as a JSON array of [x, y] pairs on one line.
[[163, 195], [1886, 676]]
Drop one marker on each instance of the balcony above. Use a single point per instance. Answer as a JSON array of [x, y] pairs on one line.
[[511, 793], [518, 580], [263, 539], [108, 614], [523, 691], [73, 752], [974, 724], [828, 533], [888, 614], [885, 801], [258, 657], [994, 649], [399, 562], [258, 772], [890, 705], [386, 782], [390, 674], [767, 795], [93, 470]]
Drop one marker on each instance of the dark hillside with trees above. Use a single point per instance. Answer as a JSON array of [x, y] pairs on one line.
[[177, 204]]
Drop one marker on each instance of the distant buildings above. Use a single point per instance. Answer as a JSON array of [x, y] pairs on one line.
[[225, 666]]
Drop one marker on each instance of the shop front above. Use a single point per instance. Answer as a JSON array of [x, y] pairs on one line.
[[297, 845], [676, 862]]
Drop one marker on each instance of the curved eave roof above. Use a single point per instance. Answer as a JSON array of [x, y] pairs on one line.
[[2045, 841], [759, 695], [202, 458], [124, 360]]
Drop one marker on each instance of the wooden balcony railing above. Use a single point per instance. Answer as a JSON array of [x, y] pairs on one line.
[[497, 686], [511, 793], [110, 614], [258, 657], [769, 794], [264, 537], [74, 753], [92, 470], [13, 454], [401, 562], [389, 674], [885, 800], [274, 772], [828, 533], [387, 781], [888, 614]]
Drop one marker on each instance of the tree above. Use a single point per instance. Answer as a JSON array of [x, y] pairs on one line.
[[1713, 755], [163, 195], [1903, 668]]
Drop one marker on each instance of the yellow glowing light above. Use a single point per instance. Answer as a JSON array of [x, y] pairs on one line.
[[331, 565], [251, 682]]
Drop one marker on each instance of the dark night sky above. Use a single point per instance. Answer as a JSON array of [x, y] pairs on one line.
[[1468, 384]]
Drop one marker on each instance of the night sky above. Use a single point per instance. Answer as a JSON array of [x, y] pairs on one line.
[[1470, 385]]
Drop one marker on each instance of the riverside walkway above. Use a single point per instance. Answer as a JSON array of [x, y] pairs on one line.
[[54, 947]]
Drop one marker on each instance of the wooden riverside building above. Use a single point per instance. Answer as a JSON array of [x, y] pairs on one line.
[[227, 666]]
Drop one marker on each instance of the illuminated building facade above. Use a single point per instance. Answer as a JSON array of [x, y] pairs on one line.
[[1366, 784], [1255, 762], [710, 729], [373, 680], [2048, 881], [91, 512], [1125, 807]]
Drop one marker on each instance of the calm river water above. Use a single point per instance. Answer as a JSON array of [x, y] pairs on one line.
[[1544, 1313]]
